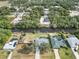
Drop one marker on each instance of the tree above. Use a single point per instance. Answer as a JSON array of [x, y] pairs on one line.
[[4, 11], [44, 47], [5, 23], [4, 35]]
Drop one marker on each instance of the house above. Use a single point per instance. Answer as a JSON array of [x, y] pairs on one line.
[[73, 41], [41, 40], [44, 20], [57, 42], [10, 45]]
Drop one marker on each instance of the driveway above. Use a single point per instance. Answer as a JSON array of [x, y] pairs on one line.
[[10, 55], [37, 54], [75, 53], [57, 56]]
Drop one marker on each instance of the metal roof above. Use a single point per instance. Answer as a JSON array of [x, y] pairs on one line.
[[41, 40], [73, 41], [10, 45]]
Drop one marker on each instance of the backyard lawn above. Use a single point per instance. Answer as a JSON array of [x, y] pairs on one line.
[[31, 36], [3, 54], [66, 53]]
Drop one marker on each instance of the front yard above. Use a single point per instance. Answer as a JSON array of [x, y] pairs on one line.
[[22, 53], [3, 54], [31, 36], [66, 53], [49, 54]]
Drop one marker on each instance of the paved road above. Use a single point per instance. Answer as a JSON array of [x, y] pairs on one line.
[[57, 56], [37, 54], [18, 18], [75, 53], [44, 30]]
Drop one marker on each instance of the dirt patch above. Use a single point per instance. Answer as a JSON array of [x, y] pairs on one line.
[[18, 55]]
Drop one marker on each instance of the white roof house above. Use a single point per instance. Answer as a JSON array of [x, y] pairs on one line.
[[44, 20], [10, 45], [73, 41]]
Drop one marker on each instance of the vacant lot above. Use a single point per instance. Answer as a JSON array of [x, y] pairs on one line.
[[19, 54]]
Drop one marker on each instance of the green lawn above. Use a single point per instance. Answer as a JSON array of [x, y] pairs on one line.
[[48, 55], [3, 54], [31, 36], [36, 35], [1, 46], [66, 53], [52, 56]]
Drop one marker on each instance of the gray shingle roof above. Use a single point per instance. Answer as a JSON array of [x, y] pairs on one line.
[[57, 42]]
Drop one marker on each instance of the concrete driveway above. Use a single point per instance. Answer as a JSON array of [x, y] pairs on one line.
[[37, 54], [57, 56], [75, 53], [10, 55]]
